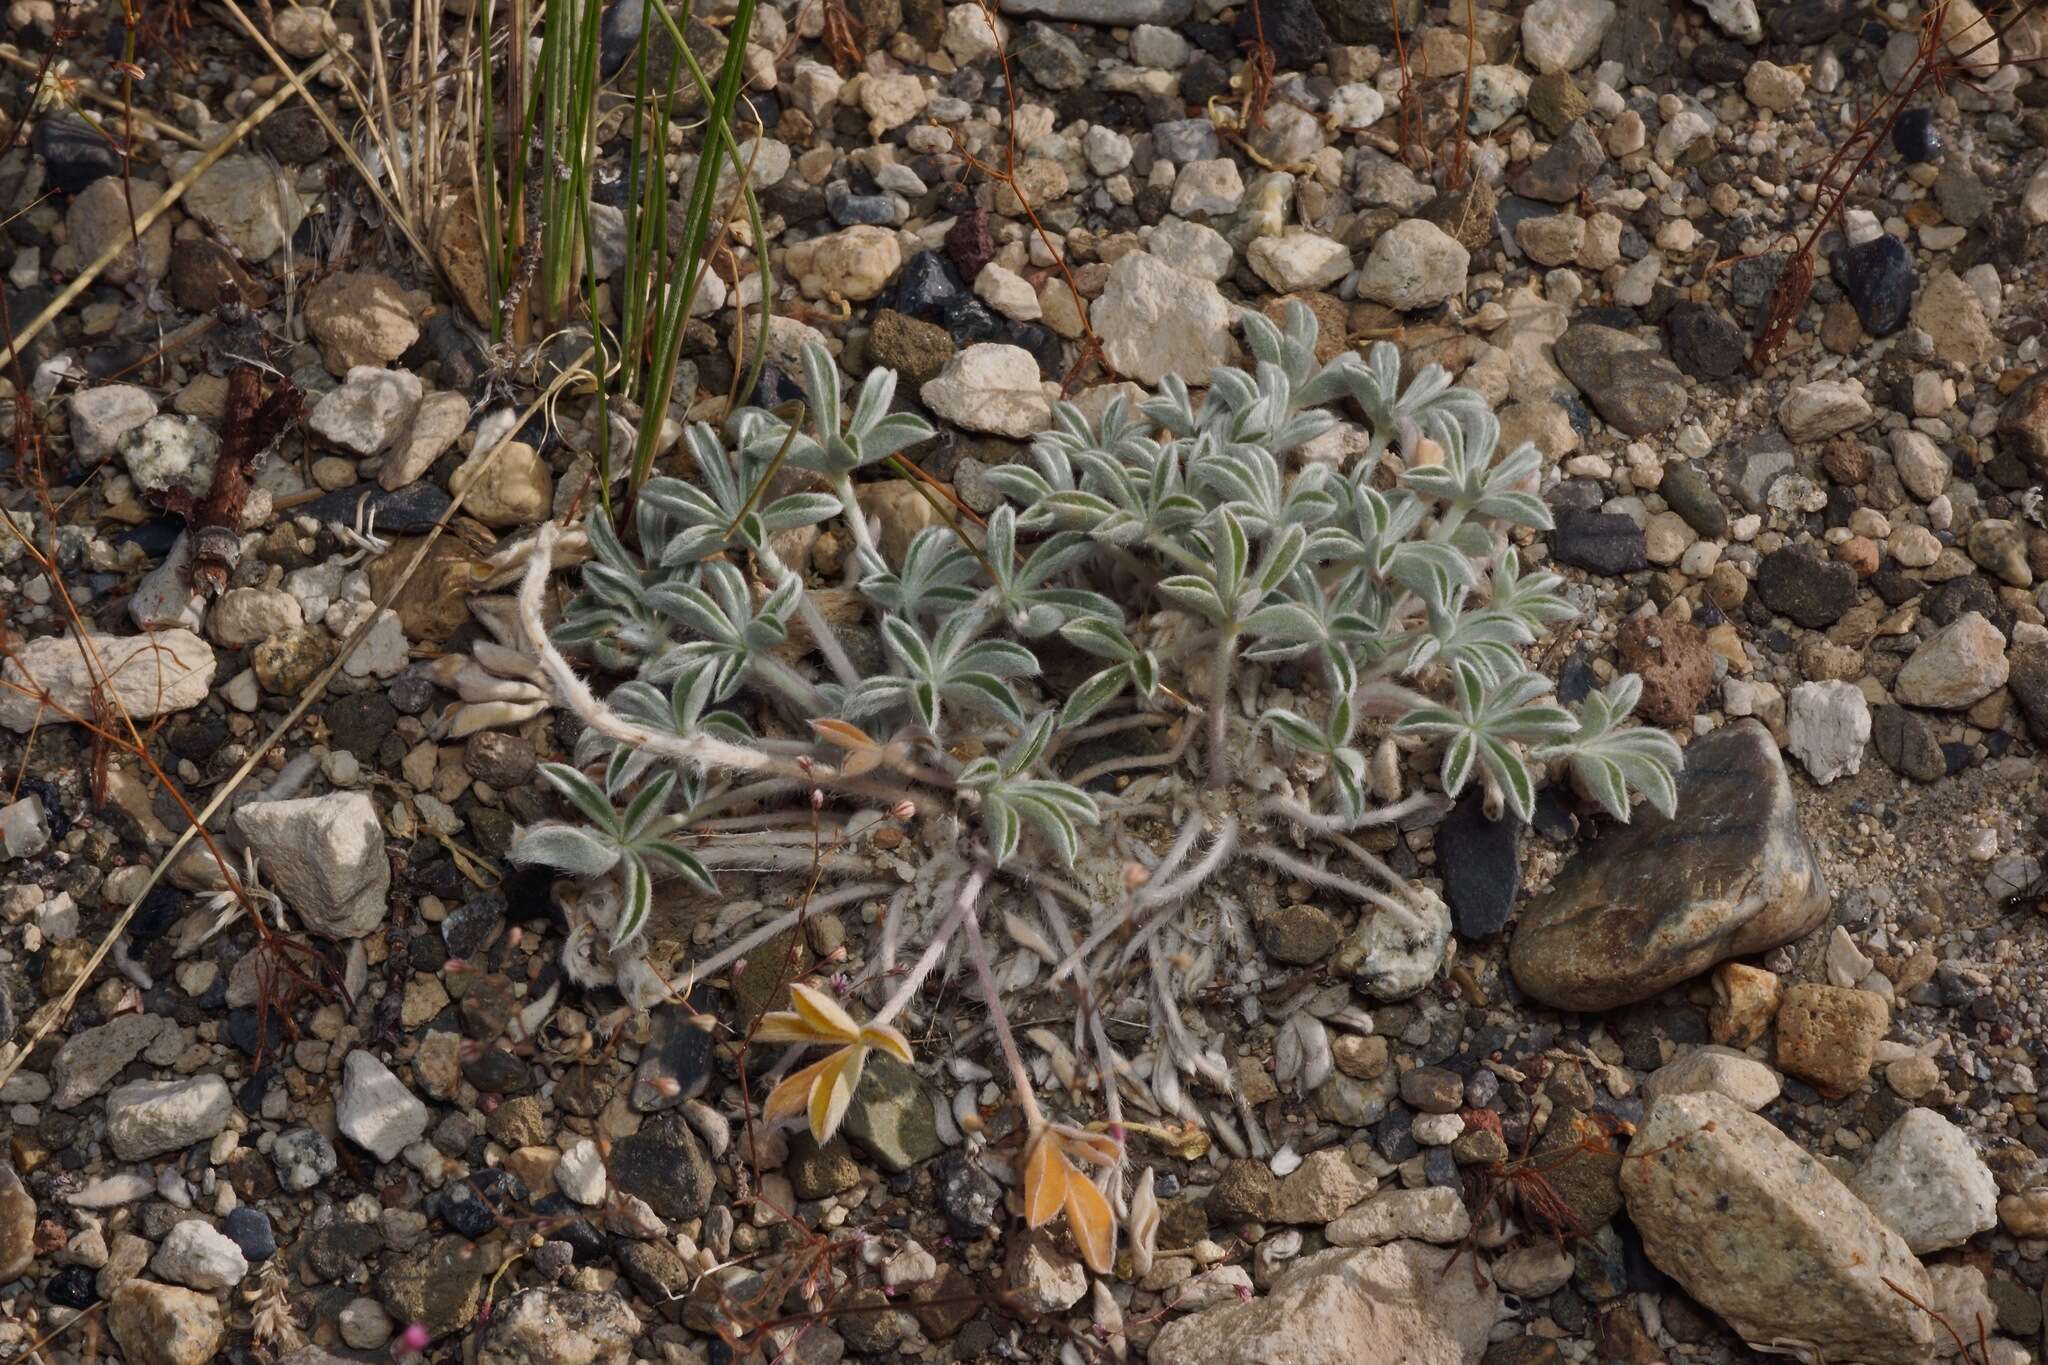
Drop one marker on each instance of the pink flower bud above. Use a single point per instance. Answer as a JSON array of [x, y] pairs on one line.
[[817, 799], [413, 1339], [904, 810]]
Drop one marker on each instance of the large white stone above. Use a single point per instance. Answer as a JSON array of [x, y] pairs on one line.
[[1406, 1301], [1926, 1181], [1299, 260], [149, 1118], [1762, 1233], [147, 675], [1155, 320], [1959, 665], [1414, 264], [990, 387], [374, 1109], [1827, 724], [325, 856]]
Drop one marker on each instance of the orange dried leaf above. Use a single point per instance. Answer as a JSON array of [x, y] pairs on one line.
[[789, 1098], [1046, 1174], [1093, 1223], [844, 735], [887, 1039], [832, 1091], [823, 1014]]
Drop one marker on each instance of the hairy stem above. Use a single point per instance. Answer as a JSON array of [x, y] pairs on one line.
[[1219, 707], [962, 912], [1020, 1077]]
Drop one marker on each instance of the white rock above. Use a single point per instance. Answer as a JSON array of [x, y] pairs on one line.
[[1921, 466], [197, 1256], [1414, 264], [101, 417], [853, 263], [436, 423], [1107, 150], [891, 101], [1155, 321], [1958, 666], [365, 1325], [1434, 1214], [1736, 18], [383, 652], [169, 451], [1773, 87], [374, 1109], [1357, 106], [1846, 963], [1762, 1233], [369, 411], [149, 1118], [1926, 1181], [149, 675], [1498, 93], [24, 828], [1158, 47], [1207, 187], [580, 1173], [1715, 1070], [1827, 724], [325, 855], [1191, 248], [1299, 260], [165, 595], [1404, 1302], [1679, 133], [1007, 292], [1563, 35], [1534, 1271], [248, 201], [969, 36], [990, 387], [247, 616], [1823, 408]]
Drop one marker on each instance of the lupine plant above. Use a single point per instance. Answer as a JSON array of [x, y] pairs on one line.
[[1276, 627]]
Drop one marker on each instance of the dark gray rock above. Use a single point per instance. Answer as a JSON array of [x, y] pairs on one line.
[[1599, 542], [2029, 683], [1051, 58], [1796, 582], [891, 1116], [1908, 743], [1659, 901], [1691, 494], [1480, 861], [1292, 28], [664, 1165], [1878, 277], [1704, 342], [1630, 383], [1564, 168]]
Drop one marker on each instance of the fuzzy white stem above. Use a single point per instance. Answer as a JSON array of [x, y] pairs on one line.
[[962, 911], [1318, 823], [1020, 1077]]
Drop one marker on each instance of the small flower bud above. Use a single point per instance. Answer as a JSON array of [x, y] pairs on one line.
[[817, 799], [1136, 875], [668, 1086], [904, 810]]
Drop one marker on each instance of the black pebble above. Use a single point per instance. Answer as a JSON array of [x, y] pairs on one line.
[[73, 1287], [1916, 137]]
